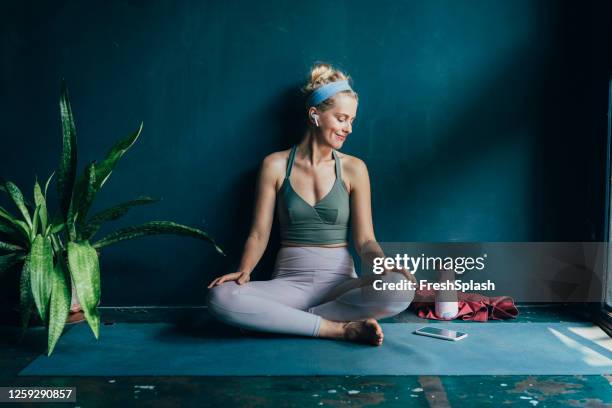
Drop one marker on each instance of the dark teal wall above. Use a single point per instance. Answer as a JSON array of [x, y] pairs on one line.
[[478, 120]]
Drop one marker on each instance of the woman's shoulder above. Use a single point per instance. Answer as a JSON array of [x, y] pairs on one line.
[[353, 170], [276, 162], [351, 164], [277, 158]]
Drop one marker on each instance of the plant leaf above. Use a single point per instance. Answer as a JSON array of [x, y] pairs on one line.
[[84, 194], [38, 196], [39, 264], [47, 184], [105, 168], [25, 298], [3, 188], [154, 228], [85, 273], [66, 173], [6, 246], [17, 197], [23, 227], [21, 230], [41, 202], [10, 233], [60, 304], [8, 261], [5, 228], [56, 242], [57, 228], [71, 219], [55, 223], [7, 215], [36, 221], [111, 214]]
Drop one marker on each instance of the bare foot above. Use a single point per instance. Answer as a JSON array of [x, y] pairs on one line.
[[364, 331]]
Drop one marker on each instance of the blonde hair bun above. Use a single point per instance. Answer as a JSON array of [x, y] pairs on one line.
[[322, 73]]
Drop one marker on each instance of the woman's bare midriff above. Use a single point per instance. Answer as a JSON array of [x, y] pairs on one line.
[[283, 243]]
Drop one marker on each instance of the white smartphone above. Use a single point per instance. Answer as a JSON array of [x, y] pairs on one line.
[[441, 333]]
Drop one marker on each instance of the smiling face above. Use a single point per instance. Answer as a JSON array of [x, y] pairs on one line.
[[336, 123]]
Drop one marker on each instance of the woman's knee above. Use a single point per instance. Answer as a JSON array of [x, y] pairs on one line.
[[395, 301], [397, 306], [219, 298]]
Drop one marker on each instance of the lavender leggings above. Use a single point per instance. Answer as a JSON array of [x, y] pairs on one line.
[[308, 283]]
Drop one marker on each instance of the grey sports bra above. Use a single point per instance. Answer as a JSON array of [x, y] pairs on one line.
[[324, 223]]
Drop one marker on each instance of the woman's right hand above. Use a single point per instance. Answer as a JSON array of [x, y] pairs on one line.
[[239, 277]]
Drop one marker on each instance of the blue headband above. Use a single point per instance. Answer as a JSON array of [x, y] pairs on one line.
[[322, 93]]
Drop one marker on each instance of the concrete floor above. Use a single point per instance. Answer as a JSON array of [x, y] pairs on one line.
[[337, 391]]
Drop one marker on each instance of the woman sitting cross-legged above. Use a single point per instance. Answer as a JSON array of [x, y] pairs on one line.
[[314, 290]]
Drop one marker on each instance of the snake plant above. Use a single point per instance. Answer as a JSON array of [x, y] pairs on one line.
[[60, 254]]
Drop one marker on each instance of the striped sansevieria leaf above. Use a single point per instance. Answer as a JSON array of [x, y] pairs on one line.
[[111, 214], [60, 303], [85, 274], [28, 204], [39, 265], [5, 228], [9, 260], [35, 223], [84, 193], [25, 231], [71, 217], [41, 203], [155, 228], [25, 297], [21, 228], [106, 166], [47, 185], [56, 228], [7, 246], [66, 172], [17, 197]]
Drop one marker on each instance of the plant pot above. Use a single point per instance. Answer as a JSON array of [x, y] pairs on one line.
[[13, 317]]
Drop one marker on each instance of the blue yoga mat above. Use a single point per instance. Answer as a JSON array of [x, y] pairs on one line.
[[130, 349]]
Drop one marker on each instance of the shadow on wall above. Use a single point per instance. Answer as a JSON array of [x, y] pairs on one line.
[[547, 139], [490, 123]]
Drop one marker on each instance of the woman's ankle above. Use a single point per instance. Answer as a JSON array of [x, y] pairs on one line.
[[331, 329]]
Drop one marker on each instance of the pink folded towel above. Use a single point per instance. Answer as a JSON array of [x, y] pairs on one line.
[[472, 306]]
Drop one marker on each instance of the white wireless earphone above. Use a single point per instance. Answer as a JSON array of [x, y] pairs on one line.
[[316, 118]]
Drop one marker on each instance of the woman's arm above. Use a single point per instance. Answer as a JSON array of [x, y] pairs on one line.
[[361, 214], [263, 216]]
